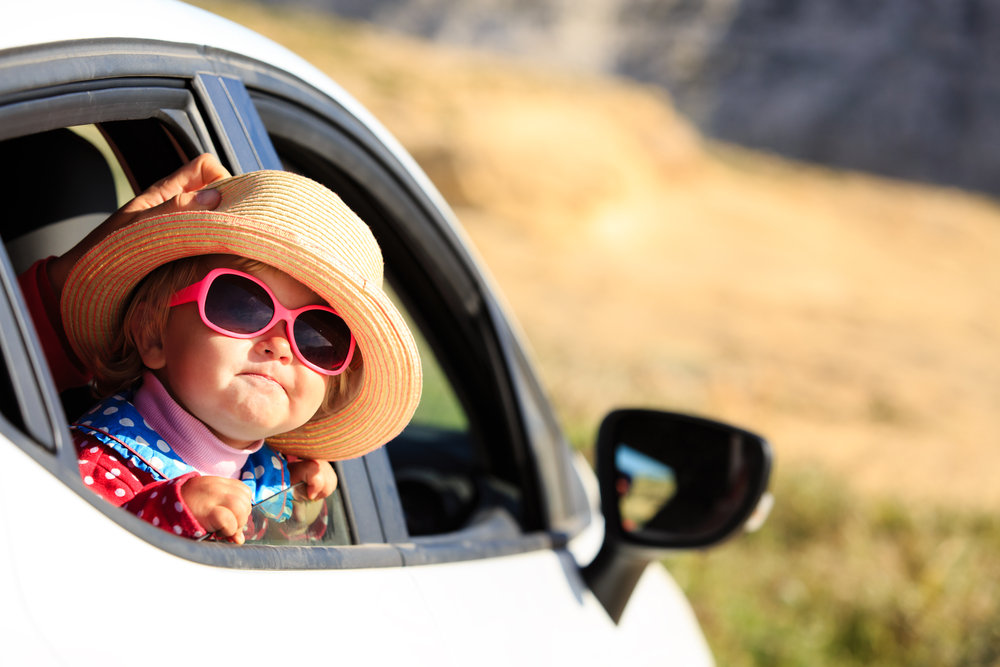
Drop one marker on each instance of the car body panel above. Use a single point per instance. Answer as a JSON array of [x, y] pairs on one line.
[[72, 566], [529, 608]]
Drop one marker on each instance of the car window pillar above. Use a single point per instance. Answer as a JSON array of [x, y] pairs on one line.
[[241, 134]]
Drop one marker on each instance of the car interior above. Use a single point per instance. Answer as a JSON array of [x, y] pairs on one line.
[[453, 467]]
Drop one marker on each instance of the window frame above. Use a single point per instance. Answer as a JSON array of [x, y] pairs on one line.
[[434, 261], [565, 509], [113, 68], [178, 100]]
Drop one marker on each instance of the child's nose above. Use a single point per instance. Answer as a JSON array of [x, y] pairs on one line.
[[274, 343]]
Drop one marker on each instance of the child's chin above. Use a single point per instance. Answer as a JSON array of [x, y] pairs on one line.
[[243, 438]]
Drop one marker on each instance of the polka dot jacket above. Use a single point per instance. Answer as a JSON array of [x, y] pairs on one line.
[[125, 461]]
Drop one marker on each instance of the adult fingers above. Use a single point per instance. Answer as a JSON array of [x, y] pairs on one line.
[[180, 191], [195, 175]]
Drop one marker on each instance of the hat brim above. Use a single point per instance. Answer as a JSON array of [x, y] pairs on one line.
[[97, 290]]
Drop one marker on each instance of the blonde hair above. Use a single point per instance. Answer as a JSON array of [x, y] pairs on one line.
[[147, 312]]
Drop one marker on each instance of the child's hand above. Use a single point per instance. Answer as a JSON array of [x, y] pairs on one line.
[[221, 505], [319, 477]]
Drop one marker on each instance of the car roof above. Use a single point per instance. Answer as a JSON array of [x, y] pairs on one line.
[[46, 21], [40, 22]]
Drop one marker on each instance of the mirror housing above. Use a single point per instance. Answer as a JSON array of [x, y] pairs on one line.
[[669, 482]]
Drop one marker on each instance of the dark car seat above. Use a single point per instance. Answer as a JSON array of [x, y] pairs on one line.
[[56, 186]]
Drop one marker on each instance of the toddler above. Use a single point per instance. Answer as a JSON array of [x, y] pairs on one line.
[[239, 350]]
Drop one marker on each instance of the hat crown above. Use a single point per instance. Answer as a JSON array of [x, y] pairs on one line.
[[307, 214]]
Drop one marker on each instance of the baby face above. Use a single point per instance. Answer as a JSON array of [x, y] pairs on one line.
[[243, 390]]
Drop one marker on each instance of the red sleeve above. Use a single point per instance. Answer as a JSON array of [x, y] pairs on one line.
[[43, 304], [117, 481]]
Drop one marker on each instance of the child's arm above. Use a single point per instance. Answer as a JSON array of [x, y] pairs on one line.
[[158, 502], [191, 505]]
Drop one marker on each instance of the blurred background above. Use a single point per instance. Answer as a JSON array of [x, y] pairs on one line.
[[778, 213]]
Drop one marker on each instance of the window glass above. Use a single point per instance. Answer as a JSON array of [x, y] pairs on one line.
[[439, 406]]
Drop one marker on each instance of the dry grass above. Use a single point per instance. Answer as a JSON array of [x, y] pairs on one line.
[[851, 319]]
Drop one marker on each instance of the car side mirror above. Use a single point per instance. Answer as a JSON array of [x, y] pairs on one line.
[[669, 481], [672, 481]]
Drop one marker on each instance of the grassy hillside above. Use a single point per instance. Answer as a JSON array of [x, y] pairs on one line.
[[851, 319]]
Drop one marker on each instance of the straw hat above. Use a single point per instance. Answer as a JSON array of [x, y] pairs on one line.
[[300, 227]]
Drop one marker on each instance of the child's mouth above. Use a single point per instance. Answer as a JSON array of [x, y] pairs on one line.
[[264, 379]]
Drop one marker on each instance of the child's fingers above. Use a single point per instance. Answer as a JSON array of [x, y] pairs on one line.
[[318, 476], [223, 522], [221, 505], [240, 502], [323, 480], [329, 481], [314, 479], [228, 518]]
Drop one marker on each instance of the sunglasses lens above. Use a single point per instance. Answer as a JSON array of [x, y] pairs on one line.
[[238, 305], [323, 338]]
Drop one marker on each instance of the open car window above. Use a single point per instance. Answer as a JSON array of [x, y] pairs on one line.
[[460, 473], [94, 180], [461, 466]]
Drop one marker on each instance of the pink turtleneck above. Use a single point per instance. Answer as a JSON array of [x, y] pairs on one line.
[[190, 438]]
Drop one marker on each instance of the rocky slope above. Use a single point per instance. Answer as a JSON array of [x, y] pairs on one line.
[[895, 87]]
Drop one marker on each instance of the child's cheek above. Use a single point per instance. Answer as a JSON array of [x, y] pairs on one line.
[[318, 387]]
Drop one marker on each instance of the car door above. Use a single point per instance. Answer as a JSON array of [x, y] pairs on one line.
[[453, 544], [74, 565]]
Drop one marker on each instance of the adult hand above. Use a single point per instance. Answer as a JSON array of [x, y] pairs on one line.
[[319, 477], [180, 191], [221, 505]]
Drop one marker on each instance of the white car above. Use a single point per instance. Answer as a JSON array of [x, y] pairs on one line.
[[476, 537]]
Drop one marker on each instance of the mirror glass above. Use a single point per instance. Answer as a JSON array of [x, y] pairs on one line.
[[681, 476], [644, 486]]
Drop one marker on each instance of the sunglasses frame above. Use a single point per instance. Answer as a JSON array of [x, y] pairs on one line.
[[198, 291]]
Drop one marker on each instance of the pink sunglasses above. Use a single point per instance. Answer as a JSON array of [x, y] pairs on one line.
[[239, 305]]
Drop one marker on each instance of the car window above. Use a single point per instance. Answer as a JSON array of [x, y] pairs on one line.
[[84, 183], [460, 465], [96, 184], [439, 407], [20, 404], [457, 466]]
